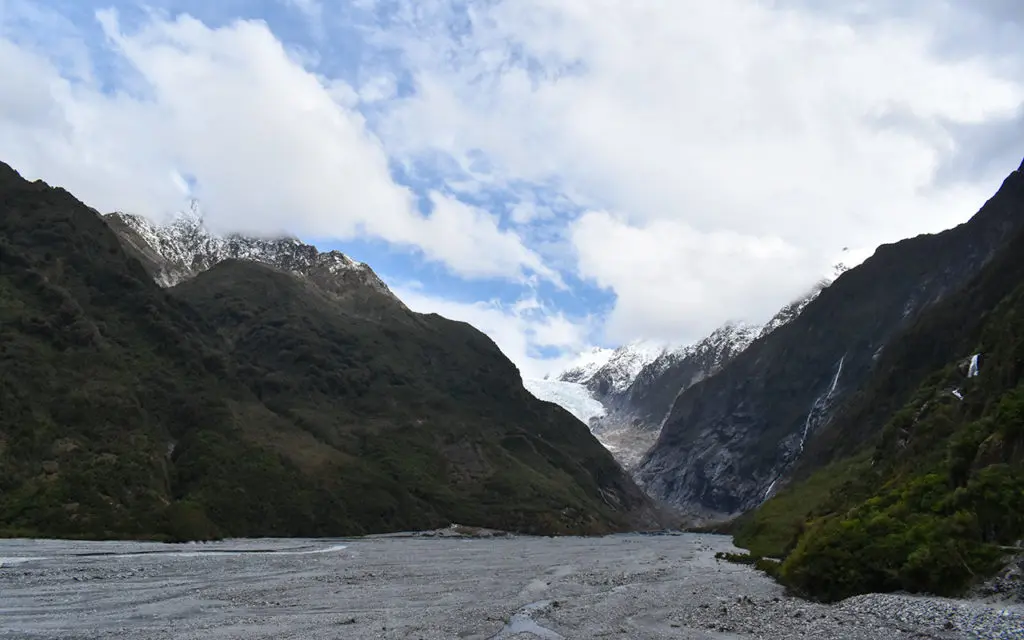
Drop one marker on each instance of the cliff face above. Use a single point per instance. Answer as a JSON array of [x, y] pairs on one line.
[[917, 484], [731, 438]]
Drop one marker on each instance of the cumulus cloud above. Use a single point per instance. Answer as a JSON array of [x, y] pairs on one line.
[[702, 161], [268, 145], [675, 282], [738, 146], [526, 331]]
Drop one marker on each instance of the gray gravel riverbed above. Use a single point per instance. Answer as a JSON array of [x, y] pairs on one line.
[[632, 586]]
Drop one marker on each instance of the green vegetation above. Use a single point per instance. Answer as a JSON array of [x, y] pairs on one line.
[[772, 530], [932, 501], [767, 565], [250, 402]]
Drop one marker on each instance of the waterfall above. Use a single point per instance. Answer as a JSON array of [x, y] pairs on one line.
[[973, 371], [821, 404]]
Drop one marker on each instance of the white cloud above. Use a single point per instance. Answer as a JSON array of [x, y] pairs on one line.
[[724, 151], [711, 130], [520, 330], [457, 232], [676, 282], [270, 145], [378, 87]]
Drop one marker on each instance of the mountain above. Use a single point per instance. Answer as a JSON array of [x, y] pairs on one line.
[[917, 484], [607, 372], [636, 384], [183, 248], [253, 400], [733, 438]]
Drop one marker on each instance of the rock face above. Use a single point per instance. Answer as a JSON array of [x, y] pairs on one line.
[[299, 399], [730, 438], [183, 248], [637, 383]]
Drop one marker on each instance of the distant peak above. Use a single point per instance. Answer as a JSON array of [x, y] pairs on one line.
[[194, 212], [186, 247]]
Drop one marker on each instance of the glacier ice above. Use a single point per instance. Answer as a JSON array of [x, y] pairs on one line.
[[572, 396]]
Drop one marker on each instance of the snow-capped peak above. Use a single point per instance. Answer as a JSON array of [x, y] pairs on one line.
[[586, 365], [605, 370], [789, 312], [183, 247]]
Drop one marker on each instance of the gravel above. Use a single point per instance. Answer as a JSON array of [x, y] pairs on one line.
[[442, 587]]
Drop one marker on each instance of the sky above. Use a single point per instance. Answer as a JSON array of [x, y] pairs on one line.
[[559, 173]]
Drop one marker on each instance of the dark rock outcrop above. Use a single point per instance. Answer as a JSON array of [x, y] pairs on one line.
[[730, 438]]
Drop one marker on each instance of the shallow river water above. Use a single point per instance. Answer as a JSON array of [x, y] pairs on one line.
[[631, 586]]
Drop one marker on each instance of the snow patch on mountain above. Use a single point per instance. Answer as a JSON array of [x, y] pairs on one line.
[[606, 371], [789, 312], [638, 383], [586, 365], [183, 247], [724, 342]]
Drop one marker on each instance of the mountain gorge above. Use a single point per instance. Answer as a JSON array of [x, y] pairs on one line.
[[733, 439], [917, 482], [160, 382], [625, 394]]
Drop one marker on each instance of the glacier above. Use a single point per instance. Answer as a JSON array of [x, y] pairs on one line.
[[571, 396]]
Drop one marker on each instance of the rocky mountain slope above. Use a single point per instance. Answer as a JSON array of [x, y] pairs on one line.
[[636, 384], [183, 248], [918, 483], [732, 438], [253, 401]]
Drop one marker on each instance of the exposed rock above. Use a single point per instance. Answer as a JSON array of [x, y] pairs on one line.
[[729, 438], [184, 248]]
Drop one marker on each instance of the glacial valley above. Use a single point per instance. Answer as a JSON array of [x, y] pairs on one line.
[[438, 586]]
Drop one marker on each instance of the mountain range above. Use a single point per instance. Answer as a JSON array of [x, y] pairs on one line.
[[731, 439], [912, 476], [870, 436], [162, 382], [159, 381], [625, 394]]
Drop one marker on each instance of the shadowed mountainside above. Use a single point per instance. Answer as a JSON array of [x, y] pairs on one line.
[[253, 402], [733, 437]]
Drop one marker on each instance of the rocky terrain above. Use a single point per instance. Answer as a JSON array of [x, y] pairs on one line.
[[183, 248], [635, 385], [411, 587], [731, 438]]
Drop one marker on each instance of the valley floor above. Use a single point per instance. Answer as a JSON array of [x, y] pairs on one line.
[[408, 586]]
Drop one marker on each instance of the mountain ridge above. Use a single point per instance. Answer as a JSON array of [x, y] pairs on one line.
[[918, 483], [637, 383], [731, 437], [183, 247], [248, 400]]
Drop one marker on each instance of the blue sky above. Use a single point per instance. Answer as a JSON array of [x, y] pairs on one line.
[[557, 175]]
